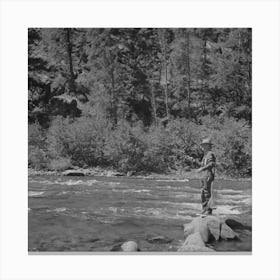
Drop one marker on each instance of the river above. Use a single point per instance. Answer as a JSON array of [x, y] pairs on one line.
[[97, 214]]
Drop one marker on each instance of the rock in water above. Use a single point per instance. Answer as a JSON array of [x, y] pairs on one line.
[[113, 173], [194, 243], [73, 173], [116, 248], [159, 239], [93, 240], [130, 246], [234, 224], [199, 230], [227, 232]]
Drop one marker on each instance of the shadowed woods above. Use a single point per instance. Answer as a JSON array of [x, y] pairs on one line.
[[139, 99]]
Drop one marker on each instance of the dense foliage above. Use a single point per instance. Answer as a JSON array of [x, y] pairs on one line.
[[139, 99]]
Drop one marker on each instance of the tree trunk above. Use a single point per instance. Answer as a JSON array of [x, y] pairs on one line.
[[204, 71], [154, 107], [188, 72], [113, 99], [164, 64], [71, 81], [166, 83]]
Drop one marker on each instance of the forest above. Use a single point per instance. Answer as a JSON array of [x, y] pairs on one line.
[[139, 99]]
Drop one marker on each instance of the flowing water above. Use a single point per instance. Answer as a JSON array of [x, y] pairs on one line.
[[99, 213]]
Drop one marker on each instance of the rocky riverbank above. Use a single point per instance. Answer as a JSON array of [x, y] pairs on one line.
[[97, 171], [200, 235]]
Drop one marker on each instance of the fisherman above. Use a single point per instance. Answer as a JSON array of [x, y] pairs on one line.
[[208, 168]]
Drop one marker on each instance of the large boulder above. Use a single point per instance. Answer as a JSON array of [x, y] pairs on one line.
[[202, 230], [205, 226], [197, 225], [194, 239], [194, 243]]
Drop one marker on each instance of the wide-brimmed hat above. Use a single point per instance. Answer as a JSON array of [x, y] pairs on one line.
[[206, 141]]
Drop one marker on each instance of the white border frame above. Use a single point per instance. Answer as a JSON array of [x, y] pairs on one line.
[[17, 16]]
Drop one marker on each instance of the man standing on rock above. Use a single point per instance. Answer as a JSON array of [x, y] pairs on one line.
[[208, 168]]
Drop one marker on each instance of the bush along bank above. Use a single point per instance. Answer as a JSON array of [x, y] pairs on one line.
[[87, 142]]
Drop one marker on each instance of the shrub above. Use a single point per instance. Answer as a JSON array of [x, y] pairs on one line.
[[124, 148], [234, 148], [36, 136], [81, 140], [156, 154], [170, 147], [37, 154], [232, 144], [37, 158], [91, 141], [183, 141], [59, 164]]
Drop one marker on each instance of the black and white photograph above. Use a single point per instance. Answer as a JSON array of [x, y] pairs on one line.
[[140, 140]]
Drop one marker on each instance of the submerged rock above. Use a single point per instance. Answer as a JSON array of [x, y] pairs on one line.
[[159, 239], [116, 248], [92, 240]]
